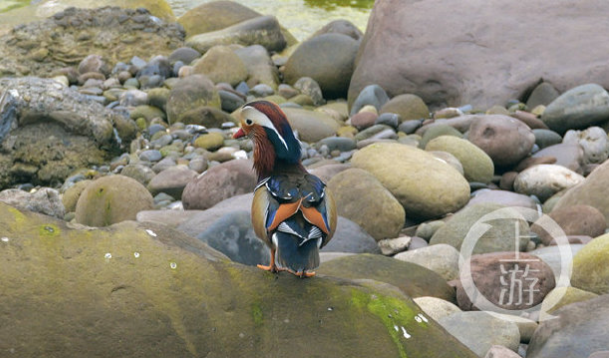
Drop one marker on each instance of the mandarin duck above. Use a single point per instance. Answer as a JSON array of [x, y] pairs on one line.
[[292, 210]]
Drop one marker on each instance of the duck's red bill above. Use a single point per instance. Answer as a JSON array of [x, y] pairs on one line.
[[238, 134]]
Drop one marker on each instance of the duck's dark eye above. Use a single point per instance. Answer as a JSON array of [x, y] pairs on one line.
[[249, 122]]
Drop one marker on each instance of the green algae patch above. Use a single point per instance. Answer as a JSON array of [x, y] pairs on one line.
[[393, 313], [48, 230], [257, 314]]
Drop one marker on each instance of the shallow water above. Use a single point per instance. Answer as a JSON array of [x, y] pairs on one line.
[[300, 17]]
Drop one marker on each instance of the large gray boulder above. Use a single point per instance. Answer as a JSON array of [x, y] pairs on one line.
[[481, 52]]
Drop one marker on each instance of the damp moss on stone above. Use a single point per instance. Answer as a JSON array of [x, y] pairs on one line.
[[393, 313], [48, 230], [257, 314]]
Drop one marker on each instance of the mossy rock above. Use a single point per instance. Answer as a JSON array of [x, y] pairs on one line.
[[70, 196], [412, 279], [210, 141], [189, 94], [145, 290], [221, 64], [426, 187], [112, 199], [590, 270]]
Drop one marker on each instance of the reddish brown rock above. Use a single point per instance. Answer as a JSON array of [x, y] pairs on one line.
[[363, 120], [568, 155], [583, 220], [507, 281], [480, 52], [218, 183], [506, 140]]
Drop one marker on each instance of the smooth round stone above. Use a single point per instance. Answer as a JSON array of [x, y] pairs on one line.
[[139, 172], [220, 182], [423, 185], [407, 106], [312, 126], [308, 86], [577, 108], [437, 131], [436, 308], [389, 119], [545, 180], [502, 197], [350, 238], [562, 296], [164, 164], [44, 200], [155, 128], [459, 225], [593, 141], [147, 112], [479, 331], [578, 220], [554, 257], [590, 271], [579, 330], [360, 197], [371, 132], [416, 243], [120, 197], [132, 83], [210, 141], [543, 94], [409, 126], [363, 120], [221, 64], [261, 90], [477, 165], [189, 94], [198, 164], [286, 91], [485, 276], [171, 181], [427, 229], [230, 101], [570, 156], [327, 58], [506, 140], [446, 157], [151, 155], [442, 259], [148, 82], [371, 95], [185, 55], [337, 143]]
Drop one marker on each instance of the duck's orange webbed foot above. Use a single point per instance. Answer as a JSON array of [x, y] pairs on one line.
[[302, 274], [271, 267]]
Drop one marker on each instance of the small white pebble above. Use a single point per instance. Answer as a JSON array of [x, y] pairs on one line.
[[5, 239], [173, 265], [151, 233], [108, 255], [406, 335], [136, 255]]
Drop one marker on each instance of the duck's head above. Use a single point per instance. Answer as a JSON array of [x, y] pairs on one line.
[[274, 141]]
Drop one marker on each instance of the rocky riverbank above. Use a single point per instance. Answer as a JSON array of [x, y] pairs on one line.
[[116, 128]]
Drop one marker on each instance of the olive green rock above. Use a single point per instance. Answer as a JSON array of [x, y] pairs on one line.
[[436, 131], [477, 165], [590, 270], [112, 199], [190, 93], [360, 197], [426, 187], [145, 290], [407, 106], [221, 64], [210, 141], [148, 113], [312, 126], [412, 279], [71, 195], [209, 117], [217, 15], [492, 233], [562, 296]]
